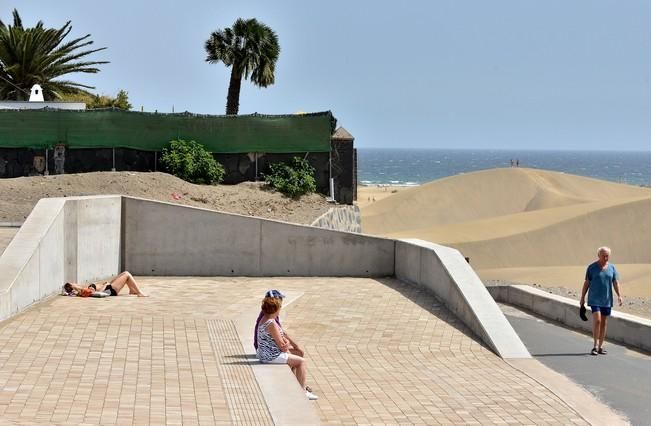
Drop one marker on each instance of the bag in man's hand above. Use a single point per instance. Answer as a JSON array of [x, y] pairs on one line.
[[582, 311]]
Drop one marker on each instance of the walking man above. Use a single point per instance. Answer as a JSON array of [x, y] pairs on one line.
[[600, 278]]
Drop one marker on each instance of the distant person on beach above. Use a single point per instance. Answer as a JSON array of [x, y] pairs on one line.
[[511, 162], [110, 288], [600, 279], [517, 163], [274, 346]]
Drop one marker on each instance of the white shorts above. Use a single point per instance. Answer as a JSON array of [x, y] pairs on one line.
[[280, 359]]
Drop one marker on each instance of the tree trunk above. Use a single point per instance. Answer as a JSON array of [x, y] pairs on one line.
[[233, 98]]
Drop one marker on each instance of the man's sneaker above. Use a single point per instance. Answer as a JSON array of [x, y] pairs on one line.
[[311, 396], [594, 351], [602, 351]]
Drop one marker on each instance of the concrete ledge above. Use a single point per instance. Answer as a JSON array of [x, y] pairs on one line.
[[624, 328], [445, 272]]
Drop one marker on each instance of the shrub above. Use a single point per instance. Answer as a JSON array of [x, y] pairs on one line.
[[191, 162], [294, 179]]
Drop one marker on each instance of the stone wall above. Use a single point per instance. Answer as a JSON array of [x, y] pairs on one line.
[[341, 218]]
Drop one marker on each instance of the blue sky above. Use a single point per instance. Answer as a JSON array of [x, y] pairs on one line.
[[515, 74]]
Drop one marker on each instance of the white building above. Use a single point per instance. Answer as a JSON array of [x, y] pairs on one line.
[[36, 102]]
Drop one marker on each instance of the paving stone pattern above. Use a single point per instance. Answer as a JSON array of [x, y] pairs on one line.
[[386, 352], [245, 400], [379, 351]]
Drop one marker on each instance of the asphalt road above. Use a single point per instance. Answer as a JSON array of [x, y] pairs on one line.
[[621, 379]]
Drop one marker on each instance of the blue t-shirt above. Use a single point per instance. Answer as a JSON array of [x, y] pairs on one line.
[[600, 290]]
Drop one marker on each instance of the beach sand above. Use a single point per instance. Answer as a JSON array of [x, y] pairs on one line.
[[369, 194], [526, 225]]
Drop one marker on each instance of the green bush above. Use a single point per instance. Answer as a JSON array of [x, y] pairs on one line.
[[191, 162], [294, 179]]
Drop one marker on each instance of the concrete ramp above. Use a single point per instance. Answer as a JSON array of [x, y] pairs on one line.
[[446, 273]]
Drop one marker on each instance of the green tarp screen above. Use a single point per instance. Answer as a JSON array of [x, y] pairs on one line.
[[153, 131]]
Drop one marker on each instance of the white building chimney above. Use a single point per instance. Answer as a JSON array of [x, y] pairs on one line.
[[37, 94]]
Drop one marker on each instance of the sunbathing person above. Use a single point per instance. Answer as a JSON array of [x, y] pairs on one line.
[[273, 346], [111, 287], [70, 289]]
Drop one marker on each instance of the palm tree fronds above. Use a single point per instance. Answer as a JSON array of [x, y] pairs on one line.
[[39, 55], [251, 48]]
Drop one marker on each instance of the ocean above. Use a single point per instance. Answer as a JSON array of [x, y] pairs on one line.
[[416, 166]]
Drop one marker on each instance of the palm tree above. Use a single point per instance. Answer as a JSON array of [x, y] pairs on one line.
[[251, 48], [39, 55]]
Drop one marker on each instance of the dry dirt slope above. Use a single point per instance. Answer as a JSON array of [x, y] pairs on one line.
[[19, 195]]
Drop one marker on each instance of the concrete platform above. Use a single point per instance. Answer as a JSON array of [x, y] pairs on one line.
[[379, 351]]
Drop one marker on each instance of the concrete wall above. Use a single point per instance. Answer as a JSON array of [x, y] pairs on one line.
[[341, 218], [625, 328], [445, 272], [63, 239], [168, 239]]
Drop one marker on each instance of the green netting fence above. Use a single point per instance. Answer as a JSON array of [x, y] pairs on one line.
[[153, 131]]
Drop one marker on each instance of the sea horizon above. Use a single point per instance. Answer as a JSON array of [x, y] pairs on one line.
[[415, 166]]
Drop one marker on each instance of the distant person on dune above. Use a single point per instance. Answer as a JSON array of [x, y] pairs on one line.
[[600, 279]]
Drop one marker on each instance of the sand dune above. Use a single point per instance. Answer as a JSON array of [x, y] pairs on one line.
[[487, 194], [634, 278], [522, 220]]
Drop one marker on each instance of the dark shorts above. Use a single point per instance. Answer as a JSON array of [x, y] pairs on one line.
[[109, 288], [605, 311]]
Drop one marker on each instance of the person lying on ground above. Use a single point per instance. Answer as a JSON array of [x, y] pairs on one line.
[[111, 287], [273, 346], [70, 289]]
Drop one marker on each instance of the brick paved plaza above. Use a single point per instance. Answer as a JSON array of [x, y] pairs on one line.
[[379, 351]]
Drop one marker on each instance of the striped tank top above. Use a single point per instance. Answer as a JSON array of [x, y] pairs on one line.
[[268, 350]]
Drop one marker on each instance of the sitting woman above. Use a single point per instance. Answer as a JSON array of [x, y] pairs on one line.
[[273, 347], [111, 287]]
